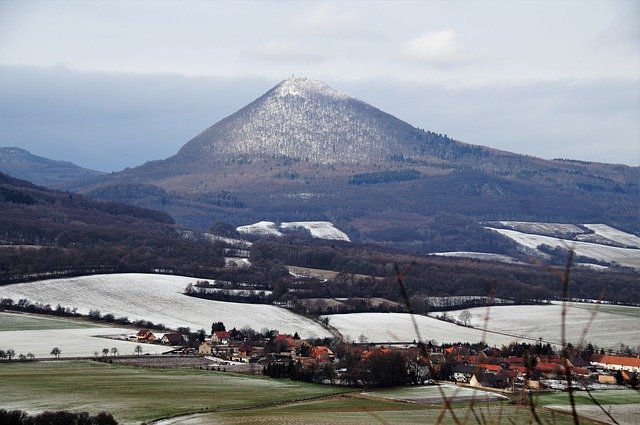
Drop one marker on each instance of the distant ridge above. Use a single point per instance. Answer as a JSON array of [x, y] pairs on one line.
[[24, 165]]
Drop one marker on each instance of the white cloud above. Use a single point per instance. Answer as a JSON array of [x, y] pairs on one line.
[[437, 48], [328, 21], [283, 51]]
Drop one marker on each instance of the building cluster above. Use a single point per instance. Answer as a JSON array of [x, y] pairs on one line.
[[488, 369], [285, 355]]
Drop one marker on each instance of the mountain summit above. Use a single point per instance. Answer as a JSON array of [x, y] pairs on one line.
[[307, 120]]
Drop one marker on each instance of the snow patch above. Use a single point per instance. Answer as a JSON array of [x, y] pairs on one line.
[[305, 87], [626, 257], [260, 228], [479, 256], [615, 235], [317, 229]]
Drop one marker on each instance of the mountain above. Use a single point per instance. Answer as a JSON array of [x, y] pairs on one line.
[[304, 151], [43, 171], [307, 120]]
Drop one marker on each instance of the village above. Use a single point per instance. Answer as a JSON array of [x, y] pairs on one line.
[[362, 364]]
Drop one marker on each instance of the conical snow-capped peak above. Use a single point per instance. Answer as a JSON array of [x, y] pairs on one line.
[[305, 87], [307, 120]]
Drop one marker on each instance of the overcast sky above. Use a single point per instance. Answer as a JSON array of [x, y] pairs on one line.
[[111, 84]]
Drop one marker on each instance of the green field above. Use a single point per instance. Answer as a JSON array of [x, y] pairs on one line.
[[28, 322], [604, 397], [354, 410], [134, 395]]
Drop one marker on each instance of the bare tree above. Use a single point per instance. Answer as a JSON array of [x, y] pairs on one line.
[[465, 318], [138, 349], [114, 351], [56, 352]]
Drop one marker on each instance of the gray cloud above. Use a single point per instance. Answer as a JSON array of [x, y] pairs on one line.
[[592, 121], [111, 121]]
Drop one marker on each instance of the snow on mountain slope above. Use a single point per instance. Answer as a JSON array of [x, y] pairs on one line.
[[317, 229], [479, 256], [260, 228], [623, 256], [546, 229], [309, 121], [615, 235]]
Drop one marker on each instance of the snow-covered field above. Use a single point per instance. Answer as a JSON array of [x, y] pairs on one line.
[[560, 230], [318, 229], [615, 235], [623, 256], [522, 323], [479, 256], [82, 342], [260, 228], [160, 299], [543, 321], [390, 327]]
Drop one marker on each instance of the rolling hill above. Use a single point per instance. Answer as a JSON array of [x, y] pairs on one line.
[[24, 165], [44, 232]]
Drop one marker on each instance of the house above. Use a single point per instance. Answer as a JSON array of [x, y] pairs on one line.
[[488, 380], [321, 354], [607, 379], [243, 353], [245, 350], [220, 337], [145, 335], [491, 368], [511, 376], [549, 370], [615, 363], [463, 372], [580, 371], [172, 339], [205, 348], [437, 362], [367, 354], [515, 360]]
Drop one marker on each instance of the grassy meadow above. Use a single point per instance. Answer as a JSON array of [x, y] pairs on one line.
[[29, 322], [353, 409], [135, 395], [193, 396]]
